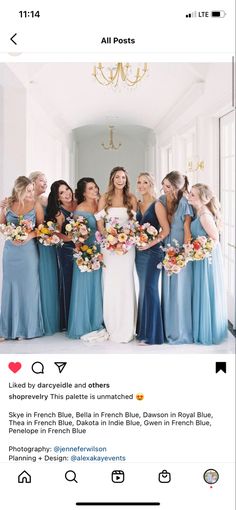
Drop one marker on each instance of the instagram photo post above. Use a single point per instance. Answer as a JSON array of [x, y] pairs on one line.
[[117, 255]]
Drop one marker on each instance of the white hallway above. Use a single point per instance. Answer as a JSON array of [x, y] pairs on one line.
[[54, 117]]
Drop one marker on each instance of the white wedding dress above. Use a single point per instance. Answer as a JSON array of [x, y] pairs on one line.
[[119, 299]]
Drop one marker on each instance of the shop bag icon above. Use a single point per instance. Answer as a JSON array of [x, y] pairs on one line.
[[164, 476]]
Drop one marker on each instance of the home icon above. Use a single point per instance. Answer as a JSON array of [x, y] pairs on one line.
[[24, 477]]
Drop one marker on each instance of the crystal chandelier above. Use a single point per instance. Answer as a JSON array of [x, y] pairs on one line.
[[111, 145], [120, 72]]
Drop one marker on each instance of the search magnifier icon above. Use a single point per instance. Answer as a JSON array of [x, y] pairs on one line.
[[70, 476]]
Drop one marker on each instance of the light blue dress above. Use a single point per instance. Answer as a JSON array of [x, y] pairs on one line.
[[208, 295], [21, 314], [48, 275], [176, 289], [86, 311]]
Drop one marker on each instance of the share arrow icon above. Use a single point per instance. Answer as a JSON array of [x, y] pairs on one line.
[[60, 365]]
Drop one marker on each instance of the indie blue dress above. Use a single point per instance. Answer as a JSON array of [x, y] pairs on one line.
[[86, 312], [48, 276], [149, 322], [208, 295], [176, 289], [65, 263], [21, 314]]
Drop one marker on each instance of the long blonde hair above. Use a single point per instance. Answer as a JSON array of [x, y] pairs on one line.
[[33, 176], [151, 181], [126, 191], [18, 191], [208, 198]]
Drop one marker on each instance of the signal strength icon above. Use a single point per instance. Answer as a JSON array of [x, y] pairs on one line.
[[191, 14]]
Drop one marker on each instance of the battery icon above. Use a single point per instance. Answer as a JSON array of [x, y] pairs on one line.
[[218, 14]]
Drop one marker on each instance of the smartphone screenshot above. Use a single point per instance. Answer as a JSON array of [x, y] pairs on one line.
[[117, 255]]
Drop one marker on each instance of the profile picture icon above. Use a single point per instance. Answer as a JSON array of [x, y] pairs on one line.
[[211, 476]]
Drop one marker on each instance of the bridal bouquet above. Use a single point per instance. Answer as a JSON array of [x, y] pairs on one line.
[[47, 234], [175, 259], [18, 232], [118, 238], [199, 249], [145, 234], [88, 258], [77, 229]]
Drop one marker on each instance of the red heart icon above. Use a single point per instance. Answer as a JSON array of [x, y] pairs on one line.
[[14, 367]]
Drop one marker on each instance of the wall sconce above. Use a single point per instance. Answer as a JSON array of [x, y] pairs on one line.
[[199, 165]]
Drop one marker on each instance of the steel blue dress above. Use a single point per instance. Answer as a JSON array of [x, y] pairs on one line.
[[86, 313], [176, 289], [21, 314], [149, 322], [65, 263], [48, 275], [208, 295]]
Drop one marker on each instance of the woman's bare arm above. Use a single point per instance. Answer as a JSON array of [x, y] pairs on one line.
[[187, 231], [161, 215], [100, 222], [2, 215], [208, 223], [134, 202], [39, 213]]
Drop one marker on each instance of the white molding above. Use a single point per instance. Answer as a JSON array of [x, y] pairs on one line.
[[187, 100]]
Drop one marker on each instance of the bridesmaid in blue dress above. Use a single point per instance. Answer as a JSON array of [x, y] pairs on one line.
[[61, 206], [176, 289], [48, 267], [208, 291], [149, 323], [21, 315], [86, 313]]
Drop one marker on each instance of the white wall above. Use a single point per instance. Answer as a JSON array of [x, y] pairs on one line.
[[49, 147], [200, 120], [12, 129], [31, 138], [94, 161]]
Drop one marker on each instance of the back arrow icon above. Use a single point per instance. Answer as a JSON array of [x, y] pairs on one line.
[[12, 39]]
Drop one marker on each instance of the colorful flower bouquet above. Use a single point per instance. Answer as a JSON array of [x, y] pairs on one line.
[[199, 249], [88, 258], [174, 259], [118, 238], [77, 229], [145, 234], [47, 234], [18, 232]]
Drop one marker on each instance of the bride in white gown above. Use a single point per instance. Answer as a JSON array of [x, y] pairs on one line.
[[119, 300]]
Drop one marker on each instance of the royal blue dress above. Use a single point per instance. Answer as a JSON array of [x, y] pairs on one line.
[[86, 313], [21, 314], [149, 322], [66, 264], [48, 276], [176, 289], [208, 295]]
